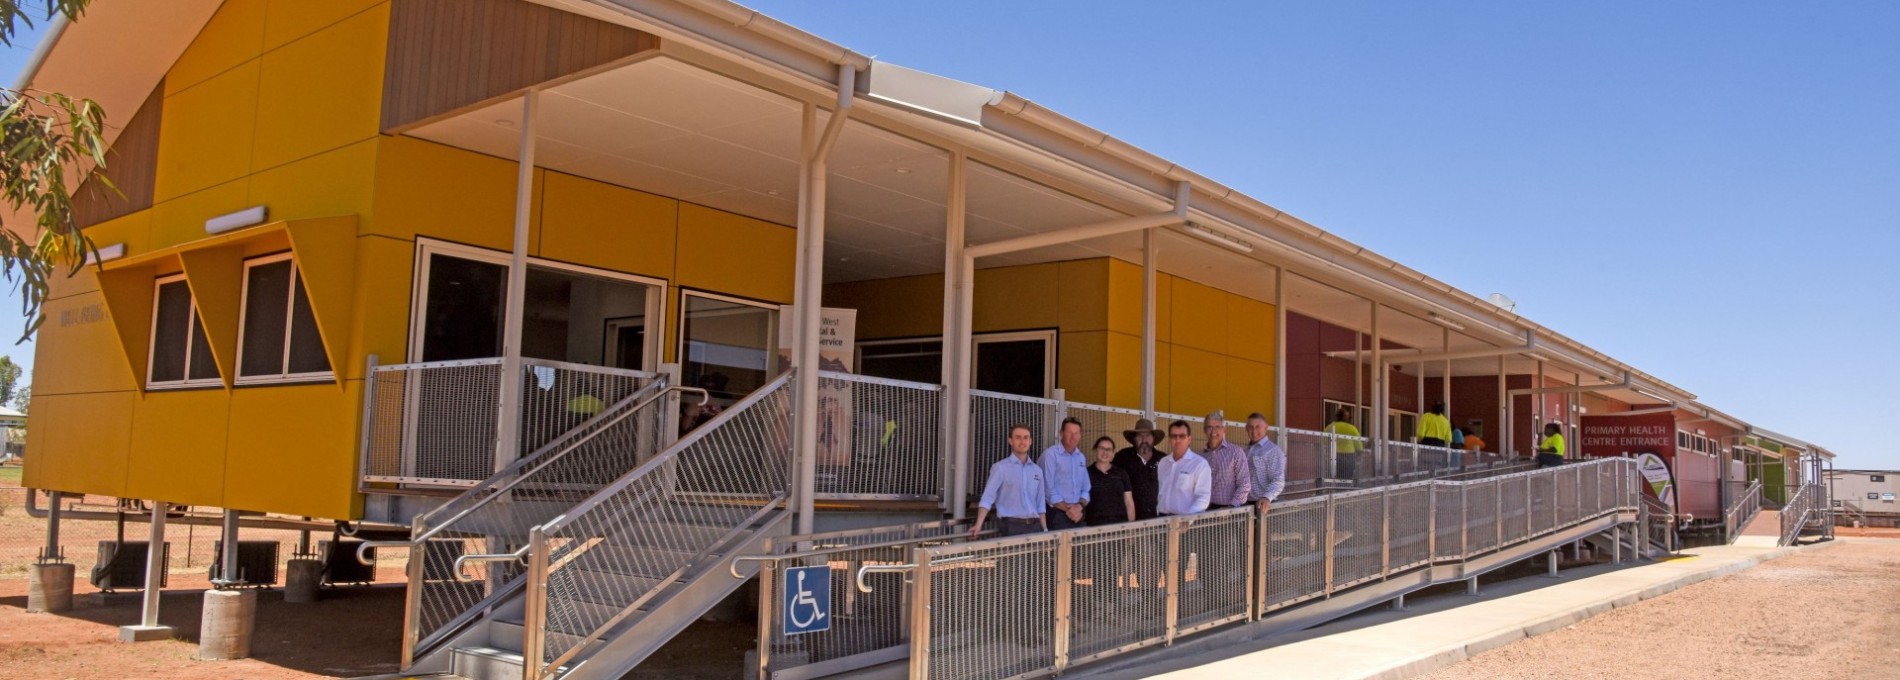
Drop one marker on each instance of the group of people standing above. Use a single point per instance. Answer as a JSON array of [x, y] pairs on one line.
[[1067, 487]]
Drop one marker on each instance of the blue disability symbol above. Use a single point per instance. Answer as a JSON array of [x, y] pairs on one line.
[[807, 599]]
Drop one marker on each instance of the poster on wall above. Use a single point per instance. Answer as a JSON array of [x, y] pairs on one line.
[[1658, 480], [837, 342]]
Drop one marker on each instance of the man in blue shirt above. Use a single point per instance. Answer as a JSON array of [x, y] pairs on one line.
[[1266, 462], [1065, 473], [1015, 490]]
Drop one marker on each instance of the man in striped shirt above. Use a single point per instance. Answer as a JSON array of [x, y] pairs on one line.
[[1233, 484]]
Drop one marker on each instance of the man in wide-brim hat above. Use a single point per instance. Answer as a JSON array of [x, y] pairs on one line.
[[1139, 460]]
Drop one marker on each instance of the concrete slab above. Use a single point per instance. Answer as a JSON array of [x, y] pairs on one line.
[[145, 633], [1434, 633]]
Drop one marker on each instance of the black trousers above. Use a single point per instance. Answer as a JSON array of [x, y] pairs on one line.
[[1431, 441], [1060, 520], [1545, 460], [1012, 526]]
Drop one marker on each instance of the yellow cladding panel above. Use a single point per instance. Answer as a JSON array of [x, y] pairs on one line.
[[1200, 316], [205, 135], [727, 253], [178, 447], [234, 35], [182, 219], [1124, 297], [428, 189], [216, 279], [78, 442], [325, 252], [602, 225], [1164, 308], [384, 269], [1124, 370], [339, 182], [128, 295], [1164, 377], [289, 20], [1017, 298], [1084, 293], [1082, 366], [1250, 329], [906, 307], [1249, 388], [1198, 380], [293, 450], [78, 350], [321, 92]]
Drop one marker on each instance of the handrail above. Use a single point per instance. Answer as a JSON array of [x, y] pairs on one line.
[[820, 552], [540, 462], [879, 568], [671, 452], [366, 545], [456, 569]]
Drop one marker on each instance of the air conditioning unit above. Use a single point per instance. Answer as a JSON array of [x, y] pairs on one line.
[[256, 563], [121, 566]]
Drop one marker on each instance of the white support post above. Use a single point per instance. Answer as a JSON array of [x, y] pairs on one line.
[[1538, 416], [148, 627], [1502, 431], [808, 293], [960, 385], [956, 401], [508, 420], [1379, 397], [1148, 306]]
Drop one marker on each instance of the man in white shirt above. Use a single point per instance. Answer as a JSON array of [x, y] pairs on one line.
[[1187, 482]]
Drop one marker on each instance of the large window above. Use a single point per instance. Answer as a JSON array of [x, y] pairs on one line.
[[1021, 363], [181, 356], [570, 313], [727, 345], [280, 341]]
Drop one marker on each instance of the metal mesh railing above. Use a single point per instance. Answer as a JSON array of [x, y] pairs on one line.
[[496, 515], [1035, 605], [1746, 503], [992, 414], [878, 438], [1801, 508], [434, 424], [866, 628], [623, 546]]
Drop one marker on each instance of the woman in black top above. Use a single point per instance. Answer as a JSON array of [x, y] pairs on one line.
[[1111, 492]]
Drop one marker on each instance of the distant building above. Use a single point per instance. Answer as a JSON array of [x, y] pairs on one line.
[[1866, 496]]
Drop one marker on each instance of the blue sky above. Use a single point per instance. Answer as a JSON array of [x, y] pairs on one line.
[[1704, 190]]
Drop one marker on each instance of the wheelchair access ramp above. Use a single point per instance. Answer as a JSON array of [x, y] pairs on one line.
[[1045, 604], [627, 561]]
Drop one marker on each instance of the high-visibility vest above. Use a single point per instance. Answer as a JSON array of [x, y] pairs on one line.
[[1343, 428]]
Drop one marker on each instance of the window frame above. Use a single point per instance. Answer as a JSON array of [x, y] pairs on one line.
[[419, 289], [1877, 479], [290, 301], [772, 367], [151, 336]]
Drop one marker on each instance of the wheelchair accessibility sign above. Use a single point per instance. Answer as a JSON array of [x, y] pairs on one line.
[[807, 602]]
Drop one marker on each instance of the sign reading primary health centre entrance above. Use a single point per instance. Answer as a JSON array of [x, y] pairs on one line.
[[1650, 438]]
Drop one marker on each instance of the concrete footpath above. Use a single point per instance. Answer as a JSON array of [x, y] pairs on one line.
[[1436, 632]]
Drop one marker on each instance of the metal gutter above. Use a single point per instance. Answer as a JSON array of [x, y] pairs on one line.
[[54, 31]]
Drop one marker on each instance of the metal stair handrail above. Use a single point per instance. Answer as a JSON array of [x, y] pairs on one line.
[[751, 439], [1795, 515], [1744, 509], [444, 609]]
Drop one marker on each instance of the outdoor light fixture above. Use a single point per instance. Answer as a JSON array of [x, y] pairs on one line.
[[237, 220], [1210, 235], [105, 253], [1442, 321]]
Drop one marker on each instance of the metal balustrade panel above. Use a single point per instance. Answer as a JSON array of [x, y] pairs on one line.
[[878, 439], [495, 516], [1295, 569], [991, 416], [1216, 553], [1357, 543], [1235, 427], [1117, 590], [1568, 481], [1410, 527], [627, 542], [1448, 521], [1543, 502], [1514, 505], [992, 609], [1308, 458], [1481, 517], [1104, 421], [435, 423]]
